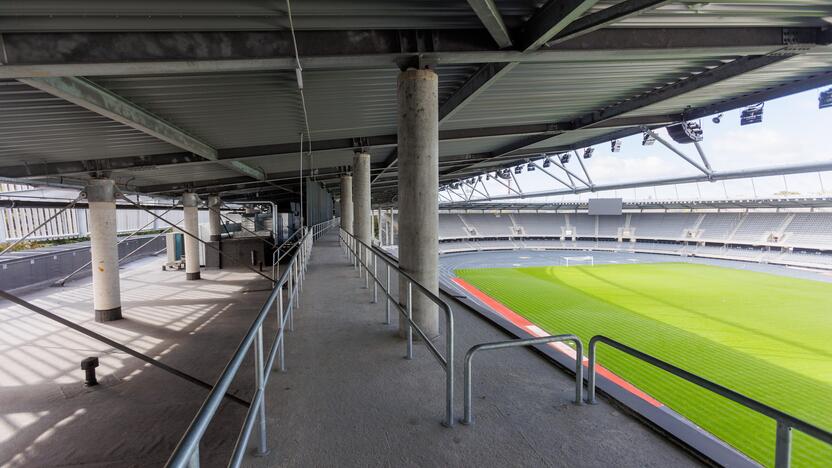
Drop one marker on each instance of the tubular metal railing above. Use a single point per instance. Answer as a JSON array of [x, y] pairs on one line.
[[187, 451], [468, 417], [785, 422], [366, 257]]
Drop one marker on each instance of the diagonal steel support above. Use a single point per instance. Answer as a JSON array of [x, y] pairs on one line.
[[490, 17], [682, 155]]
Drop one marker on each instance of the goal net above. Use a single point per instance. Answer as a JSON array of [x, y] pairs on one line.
[[586, 260]]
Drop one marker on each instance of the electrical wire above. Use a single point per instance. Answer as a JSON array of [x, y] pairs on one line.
[[299, 72]]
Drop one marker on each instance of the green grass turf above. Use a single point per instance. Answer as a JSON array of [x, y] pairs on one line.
[[766, 336]]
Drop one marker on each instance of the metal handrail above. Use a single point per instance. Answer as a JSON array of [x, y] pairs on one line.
[[186, 452], [286, 247], [468, 417], [358, 251], [785, 422]]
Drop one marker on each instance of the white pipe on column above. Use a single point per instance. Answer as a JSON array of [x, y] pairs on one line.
[[190, 201], [346, 203], [214, 221], [104, 250]]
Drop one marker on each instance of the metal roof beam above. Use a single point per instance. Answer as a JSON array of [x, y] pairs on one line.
[[476, 84], [132, 53], [549, 20], [102, 101], [607, 16], [491, 18]]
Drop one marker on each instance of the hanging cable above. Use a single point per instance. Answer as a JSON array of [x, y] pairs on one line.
[[299, 78]]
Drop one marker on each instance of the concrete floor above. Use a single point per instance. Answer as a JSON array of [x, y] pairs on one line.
[[139, 412], [350, 399]]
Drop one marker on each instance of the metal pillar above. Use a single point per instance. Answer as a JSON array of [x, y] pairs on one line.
[[214, 220], [346, 203], [418, 150], [104, 250], [190, 201], [362, 211], [390, 231]]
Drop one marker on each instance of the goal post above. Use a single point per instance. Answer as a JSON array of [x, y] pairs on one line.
[[585, 260]]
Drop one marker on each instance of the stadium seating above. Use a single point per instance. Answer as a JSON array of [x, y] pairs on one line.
[[540, 225], [754, 227], [452, 227], [729, 235], [810, 230], [489, 225]]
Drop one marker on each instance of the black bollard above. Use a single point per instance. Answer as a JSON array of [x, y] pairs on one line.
[[88, 365]]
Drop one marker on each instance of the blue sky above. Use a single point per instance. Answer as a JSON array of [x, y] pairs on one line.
[[793, 131]]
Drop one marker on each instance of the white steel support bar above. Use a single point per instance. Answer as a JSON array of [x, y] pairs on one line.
[[583, 167], [715, 176], [506, 185], [514, 178], [682, 155], [702, 155], [569, 173], [571, 187]]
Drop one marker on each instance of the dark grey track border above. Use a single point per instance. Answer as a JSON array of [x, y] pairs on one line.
[[672, 423]]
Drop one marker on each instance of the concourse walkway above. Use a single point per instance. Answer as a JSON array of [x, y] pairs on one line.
[[349, 398]]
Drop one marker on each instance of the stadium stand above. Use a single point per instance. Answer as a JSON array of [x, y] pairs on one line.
[[489, 225], [810, 229], [754, 227], [718, 225], [583, 225], [452, 227], [540, 224], [800, 239]]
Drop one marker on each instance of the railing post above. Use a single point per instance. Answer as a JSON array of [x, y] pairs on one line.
[[387, 297], [375, 272], [290, 293], [590, 378], [281, 352], [409, 319], [467, 417], [263, 449], [783, 446], [366, 269]]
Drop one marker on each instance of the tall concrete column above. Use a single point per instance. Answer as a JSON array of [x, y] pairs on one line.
[[346, 203], [418, 164], [214, 220], [362, 212], [106, 291], [190, 201]]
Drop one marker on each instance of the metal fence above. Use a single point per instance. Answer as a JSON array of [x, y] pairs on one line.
[[187, 451], [785, 422], [365, 257]]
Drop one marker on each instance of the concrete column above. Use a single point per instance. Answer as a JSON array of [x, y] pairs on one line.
[[214, 220], [346, 203], [362, 212], [190, 201], [418, 164], [106, 291]]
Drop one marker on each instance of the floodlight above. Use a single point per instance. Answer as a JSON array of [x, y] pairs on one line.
[[615, 146], [825, 99], [471, 181], [752, 114], [685, 132], [518, 169], [488, 177], [588, 151], [564, 158], [504, 174], [717, 119], [648, 139], [547, 163], [479, 178], [530, 167]]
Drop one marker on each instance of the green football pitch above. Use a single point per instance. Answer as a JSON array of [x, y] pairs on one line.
[[763, 335]]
